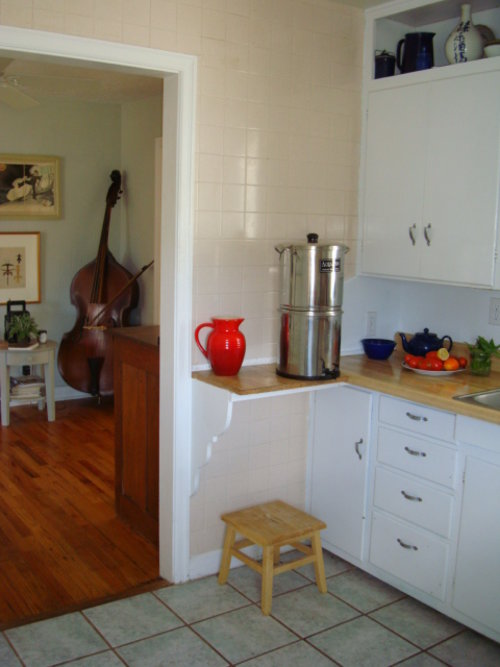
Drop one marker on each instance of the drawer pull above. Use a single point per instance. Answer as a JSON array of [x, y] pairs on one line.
[[410, 497], [407, 546], [416, 418], [414, 452], [356, 448]]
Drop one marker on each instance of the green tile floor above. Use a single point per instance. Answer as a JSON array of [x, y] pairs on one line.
[[360, 622]]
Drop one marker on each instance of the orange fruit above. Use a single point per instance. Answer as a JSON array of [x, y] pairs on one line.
[[451, 364], [443, 354]]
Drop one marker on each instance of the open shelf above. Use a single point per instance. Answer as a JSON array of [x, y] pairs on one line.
[[388, 23]]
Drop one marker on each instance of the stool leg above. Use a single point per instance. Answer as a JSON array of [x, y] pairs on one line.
[[319, 566], [276, 556], [226, 554], [267, 579]]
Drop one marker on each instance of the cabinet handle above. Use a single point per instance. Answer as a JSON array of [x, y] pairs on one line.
[[406, 546], [414, 452], [411, 232], [356, 448], [427, 234], [416, 418], [410, 497]]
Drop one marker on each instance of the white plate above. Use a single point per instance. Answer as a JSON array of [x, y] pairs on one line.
[[433, 373]]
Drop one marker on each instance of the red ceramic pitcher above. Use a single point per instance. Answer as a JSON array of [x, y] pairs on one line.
[[225, 344]]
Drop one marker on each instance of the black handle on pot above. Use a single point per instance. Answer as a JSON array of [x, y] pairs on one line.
[[451, 342], [20, 305], [399, 60]]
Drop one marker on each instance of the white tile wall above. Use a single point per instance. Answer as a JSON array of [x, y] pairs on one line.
[[261, 457], [278, 127]]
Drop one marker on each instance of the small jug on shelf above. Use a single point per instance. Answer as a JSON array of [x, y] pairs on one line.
[[225, 344], [465, 42]]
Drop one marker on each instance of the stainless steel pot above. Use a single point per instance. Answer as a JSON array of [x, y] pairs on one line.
[[309, 344], [312, 275], [312, 282]]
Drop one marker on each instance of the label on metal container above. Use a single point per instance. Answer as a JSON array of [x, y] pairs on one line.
[[327, 266]]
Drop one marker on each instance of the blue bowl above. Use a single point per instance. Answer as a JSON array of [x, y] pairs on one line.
[[378, 348]]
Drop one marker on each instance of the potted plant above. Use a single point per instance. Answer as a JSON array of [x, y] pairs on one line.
[[21, 329], [480, 355]]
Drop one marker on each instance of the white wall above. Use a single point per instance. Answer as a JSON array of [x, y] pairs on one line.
[[140, 126], [459, 312]]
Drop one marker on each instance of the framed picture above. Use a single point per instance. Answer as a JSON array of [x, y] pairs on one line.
[[20, 266], [29, 186]]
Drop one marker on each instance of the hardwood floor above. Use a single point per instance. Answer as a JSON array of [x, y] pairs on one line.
[[61, 543]]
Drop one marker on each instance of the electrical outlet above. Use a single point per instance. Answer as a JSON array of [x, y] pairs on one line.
[[494, 311], [371, 324]]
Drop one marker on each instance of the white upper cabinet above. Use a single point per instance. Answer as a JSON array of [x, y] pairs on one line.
[[431, 167]]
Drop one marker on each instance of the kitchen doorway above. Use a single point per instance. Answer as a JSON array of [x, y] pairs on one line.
[[179, 82]]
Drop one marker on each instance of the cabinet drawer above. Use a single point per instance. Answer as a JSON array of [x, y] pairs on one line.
[[416, 456], [417, 418], [414, 501], [409, 554]]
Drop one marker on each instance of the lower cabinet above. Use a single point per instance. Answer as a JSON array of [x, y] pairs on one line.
[[339, 467], [477, 575], [410, 554], [421, 512], [413, 496]]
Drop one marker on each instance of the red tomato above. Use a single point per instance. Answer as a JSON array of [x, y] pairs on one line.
[[436, 364], [425, 364], [431, 355], [463, 362], [414, 362]]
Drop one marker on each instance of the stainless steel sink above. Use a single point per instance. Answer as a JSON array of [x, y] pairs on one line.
[[488, 399]]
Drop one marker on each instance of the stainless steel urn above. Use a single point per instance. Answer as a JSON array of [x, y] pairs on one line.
[[312, 284]]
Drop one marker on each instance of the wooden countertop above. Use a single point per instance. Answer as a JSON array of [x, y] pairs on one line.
[[387, 377], [147, 335]]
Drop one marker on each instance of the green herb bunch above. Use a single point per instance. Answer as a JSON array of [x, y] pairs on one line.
[[487, 346]]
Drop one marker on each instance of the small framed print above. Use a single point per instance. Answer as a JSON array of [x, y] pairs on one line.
[[20, 267], [29, 186]]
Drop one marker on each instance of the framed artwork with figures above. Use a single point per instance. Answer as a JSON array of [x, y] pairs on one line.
[[20, 267], [29, 186]]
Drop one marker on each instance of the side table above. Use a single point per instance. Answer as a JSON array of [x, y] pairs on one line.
[[42, 356]]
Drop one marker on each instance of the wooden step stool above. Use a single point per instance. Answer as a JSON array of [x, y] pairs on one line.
[[271, 526]]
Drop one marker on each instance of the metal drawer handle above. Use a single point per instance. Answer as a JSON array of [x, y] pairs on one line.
[[410, 497], [417, 418], [407, 546], [356, 448], [414, 452], [427, 234], [411, 231]]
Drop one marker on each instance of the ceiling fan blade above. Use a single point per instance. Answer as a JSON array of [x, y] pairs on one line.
[[15, 98]]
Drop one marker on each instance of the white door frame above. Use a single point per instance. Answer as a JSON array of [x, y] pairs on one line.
[[176, 255]]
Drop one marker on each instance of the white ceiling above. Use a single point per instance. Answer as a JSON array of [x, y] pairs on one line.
[[43, 81]]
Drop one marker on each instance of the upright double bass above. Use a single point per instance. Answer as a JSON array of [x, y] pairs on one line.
[[104, 293]]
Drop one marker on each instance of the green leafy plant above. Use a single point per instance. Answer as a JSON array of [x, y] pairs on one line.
[[480, 355], [21, 328]]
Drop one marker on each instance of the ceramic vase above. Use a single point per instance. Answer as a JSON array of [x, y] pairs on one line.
[[225, 345], [465, 42]]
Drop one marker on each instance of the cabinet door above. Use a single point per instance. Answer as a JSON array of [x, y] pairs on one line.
[[462, 176], [339, 465], [477, 580], [394, 180]]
